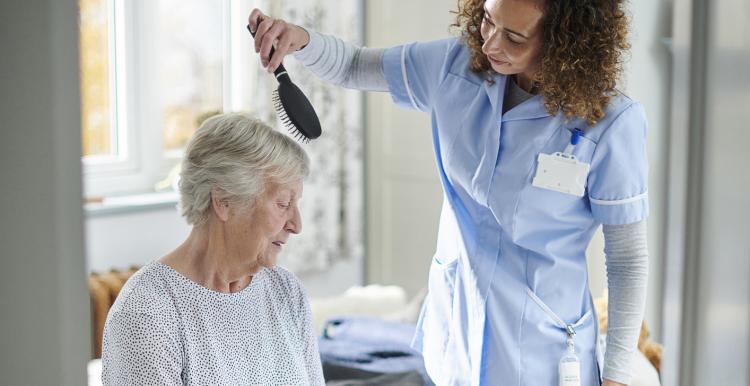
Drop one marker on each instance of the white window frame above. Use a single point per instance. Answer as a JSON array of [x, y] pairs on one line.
[[135, 115], [120, 142]]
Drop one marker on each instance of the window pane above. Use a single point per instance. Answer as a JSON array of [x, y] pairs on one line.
[[190, 65], [95, 87]]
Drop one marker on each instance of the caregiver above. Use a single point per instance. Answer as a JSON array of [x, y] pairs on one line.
[[535, 149]]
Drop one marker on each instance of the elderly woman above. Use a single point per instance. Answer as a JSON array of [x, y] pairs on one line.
[[217, 310]]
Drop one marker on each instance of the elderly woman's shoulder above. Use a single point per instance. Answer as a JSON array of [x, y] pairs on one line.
[[285, 279], [146, 292]]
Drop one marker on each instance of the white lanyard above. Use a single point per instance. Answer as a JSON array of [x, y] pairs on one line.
[[569, 367]]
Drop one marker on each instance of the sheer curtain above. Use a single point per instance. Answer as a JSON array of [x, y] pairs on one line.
[[332, 203]]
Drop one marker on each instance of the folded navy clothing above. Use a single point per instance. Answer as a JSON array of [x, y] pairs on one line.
[[342, 376], [372, 345]]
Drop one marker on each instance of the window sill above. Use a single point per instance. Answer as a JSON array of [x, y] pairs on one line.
[[131, 203]]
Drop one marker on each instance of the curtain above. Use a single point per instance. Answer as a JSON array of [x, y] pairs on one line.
[[332, 202]]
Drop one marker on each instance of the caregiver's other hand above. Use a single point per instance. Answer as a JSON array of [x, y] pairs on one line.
[[287, 36], [607, 382]]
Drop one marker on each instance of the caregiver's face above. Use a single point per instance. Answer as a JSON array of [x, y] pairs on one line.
[[511, 30]]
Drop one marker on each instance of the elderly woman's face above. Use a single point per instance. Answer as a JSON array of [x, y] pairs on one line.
[[511, 31], [267, 226]]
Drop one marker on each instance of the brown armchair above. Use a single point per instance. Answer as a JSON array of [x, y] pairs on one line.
[[103, 290]]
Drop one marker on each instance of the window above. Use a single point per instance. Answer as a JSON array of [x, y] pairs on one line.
[[150, 71], [168, 62], [97, 129], [190, 67]]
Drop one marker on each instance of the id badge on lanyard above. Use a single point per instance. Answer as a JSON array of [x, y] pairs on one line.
[[561, 171], [569, 368]]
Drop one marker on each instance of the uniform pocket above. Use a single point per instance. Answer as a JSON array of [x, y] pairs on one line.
[[557, 211], [559, 322], [442, 284], [543, 343], [439, 308]]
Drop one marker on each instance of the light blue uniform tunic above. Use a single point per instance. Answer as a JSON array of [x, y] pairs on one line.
[[509, 271]]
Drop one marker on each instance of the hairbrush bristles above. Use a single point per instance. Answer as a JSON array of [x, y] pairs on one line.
[[285, 121]]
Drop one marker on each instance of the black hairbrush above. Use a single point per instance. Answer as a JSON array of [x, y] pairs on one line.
[[292, 107]]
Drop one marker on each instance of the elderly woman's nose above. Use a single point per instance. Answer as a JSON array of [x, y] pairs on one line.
[[294, 223]]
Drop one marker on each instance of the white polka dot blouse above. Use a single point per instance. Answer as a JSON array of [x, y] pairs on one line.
[[165, 329]]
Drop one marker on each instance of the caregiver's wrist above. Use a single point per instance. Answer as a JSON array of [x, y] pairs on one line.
[[303, 37]]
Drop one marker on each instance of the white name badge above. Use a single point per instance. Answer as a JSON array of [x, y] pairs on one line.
[[561, 172], [570, 374]]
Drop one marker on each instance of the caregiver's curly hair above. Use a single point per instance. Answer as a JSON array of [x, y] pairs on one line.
[[581, 56]]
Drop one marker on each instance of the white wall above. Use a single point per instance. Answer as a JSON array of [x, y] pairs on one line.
[[44, 333], [132, 238], [403, 190]]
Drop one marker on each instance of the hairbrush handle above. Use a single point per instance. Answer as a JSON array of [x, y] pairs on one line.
[[280, 72]]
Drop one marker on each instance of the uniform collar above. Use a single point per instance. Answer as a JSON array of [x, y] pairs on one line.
[[532, 108], [496, 91]]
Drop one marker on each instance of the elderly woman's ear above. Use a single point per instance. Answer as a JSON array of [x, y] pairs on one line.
[[219, 205]]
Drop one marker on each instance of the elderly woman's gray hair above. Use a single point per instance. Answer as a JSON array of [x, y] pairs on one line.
[[239, 155]]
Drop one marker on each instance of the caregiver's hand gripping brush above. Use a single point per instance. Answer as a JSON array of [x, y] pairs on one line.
[[292, 106]]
